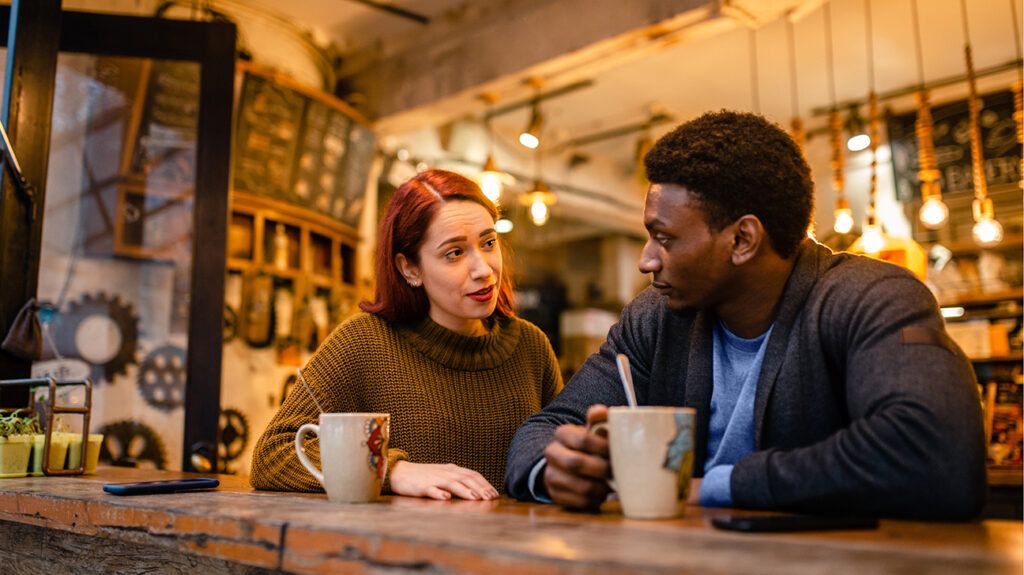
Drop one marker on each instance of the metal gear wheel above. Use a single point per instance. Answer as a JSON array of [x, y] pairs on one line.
[[100, 304], [233, 437], [127, 443], [162, 377]]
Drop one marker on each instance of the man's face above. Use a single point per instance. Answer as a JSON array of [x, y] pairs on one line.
[[689, 263]]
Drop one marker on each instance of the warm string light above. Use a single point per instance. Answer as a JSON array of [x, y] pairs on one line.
[[987, 230], [842, 215], [872, 238], [933, 213]]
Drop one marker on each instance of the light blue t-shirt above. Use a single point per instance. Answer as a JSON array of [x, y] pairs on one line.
[[737, 367]]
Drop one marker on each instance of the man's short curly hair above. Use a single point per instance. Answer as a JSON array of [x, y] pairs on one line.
[[736, 164]]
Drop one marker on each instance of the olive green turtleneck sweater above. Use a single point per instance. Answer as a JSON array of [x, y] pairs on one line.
[[452, 398]]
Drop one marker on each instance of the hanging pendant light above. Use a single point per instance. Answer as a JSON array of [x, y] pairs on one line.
[[530, 136], [539, 200], [933, 213], [491, 178], [842, 215], [987, 230], [872, 235], [872, 238]]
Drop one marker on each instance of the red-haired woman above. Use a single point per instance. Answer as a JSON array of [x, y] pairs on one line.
[[440, 349]]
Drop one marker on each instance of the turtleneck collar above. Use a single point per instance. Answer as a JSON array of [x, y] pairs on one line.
[[467, 353]]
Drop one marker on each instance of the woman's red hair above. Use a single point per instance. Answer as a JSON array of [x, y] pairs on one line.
[[403, 230]]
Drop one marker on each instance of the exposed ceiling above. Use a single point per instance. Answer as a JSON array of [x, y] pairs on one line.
[[736, 56]]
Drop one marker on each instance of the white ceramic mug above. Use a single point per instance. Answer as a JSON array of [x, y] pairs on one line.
[[353, 454], [652, 458]]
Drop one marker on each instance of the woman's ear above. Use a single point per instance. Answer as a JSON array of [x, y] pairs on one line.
[[747, 239], [409, 271]]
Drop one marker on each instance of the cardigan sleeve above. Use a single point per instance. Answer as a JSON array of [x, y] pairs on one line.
[[595, 383], [914, 445]]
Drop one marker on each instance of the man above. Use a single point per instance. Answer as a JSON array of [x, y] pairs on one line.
[[823, 383]]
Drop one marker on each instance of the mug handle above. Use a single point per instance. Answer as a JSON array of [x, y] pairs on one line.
[[603, 426], [300, 450]]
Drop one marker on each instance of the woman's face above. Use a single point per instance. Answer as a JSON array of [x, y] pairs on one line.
[[459, 267]]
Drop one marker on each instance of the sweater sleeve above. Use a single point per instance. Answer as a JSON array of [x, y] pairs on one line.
[[595, 383], [275, 466], [914, 446]]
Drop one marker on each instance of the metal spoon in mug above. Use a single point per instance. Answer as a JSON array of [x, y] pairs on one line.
[[627, 378]]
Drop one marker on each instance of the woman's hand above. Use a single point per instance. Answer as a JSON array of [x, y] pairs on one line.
[[439, 481]]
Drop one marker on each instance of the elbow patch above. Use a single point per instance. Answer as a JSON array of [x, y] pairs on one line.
[[920, 335]]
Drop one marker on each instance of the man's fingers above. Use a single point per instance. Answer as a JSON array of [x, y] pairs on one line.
[[578, 438], [573, 491], [596, 414], [576, 462]]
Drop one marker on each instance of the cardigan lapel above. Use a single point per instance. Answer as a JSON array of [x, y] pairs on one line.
[[803, 277], [699, 375]]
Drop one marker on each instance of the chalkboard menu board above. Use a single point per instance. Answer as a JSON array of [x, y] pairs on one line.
[[297, 148], [1001, 150], [165, 145]]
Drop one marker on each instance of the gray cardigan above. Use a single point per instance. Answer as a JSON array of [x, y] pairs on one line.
[[864, 404]]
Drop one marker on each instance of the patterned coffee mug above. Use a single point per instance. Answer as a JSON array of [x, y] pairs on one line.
[[652, 458], [353, 454]]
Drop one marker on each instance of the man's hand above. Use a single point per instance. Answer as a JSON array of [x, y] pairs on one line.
[[577, 464], [439, 481]]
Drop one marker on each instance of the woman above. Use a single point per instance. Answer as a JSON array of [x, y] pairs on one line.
[[440, 349]]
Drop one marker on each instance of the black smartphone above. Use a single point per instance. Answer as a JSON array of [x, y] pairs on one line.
[[163, 486], [779, 523]]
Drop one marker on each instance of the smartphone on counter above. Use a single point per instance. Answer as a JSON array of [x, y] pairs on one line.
[[163, 486], [782, 523]]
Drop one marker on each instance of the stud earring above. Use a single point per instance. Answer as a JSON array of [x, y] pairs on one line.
[[414, 283]]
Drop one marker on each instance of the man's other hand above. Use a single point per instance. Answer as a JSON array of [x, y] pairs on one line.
[[577, 464]]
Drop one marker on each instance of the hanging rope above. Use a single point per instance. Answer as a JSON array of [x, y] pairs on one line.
[[873, 115], [928, 172], [974, 110], [1018, 98], [835, 122]]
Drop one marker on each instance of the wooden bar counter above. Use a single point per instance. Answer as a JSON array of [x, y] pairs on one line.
[[69, 525]]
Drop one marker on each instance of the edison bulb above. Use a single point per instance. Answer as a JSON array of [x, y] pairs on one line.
[[987, 232], [872, 241], [503, 226], [490, 184], [858, 142], [844, 221], [529, 140], [933, 213], [539, 212]]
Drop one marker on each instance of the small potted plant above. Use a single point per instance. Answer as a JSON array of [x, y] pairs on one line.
[[58, 449], [16, 444]]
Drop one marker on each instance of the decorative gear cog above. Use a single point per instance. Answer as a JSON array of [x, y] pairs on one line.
[[127, 443], [162, 377], [233, 437], [122, 314]]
